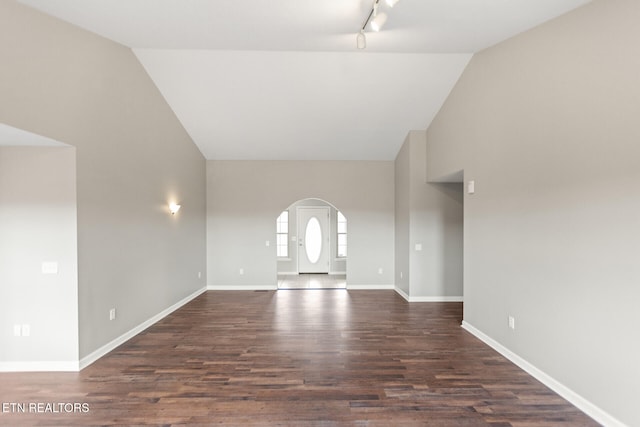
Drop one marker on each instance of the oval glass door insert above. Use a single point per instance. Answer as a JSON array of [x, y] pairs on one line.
[[313, 240]]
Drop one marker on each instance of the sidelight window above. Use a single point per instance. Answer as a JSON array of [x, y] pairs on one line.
[[342, 236], [282, 234]]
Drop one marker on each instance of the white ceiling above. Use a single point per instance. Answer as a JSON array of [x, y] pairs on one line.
[[282, 79], [14, 137]]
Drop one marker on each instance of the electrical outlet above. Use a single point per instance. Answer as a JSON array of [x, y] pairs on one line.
[[380, 270], [26, 330], [112, 314], [199, 274], [401, 274], [512, 322], [242, 271], [17, 330]]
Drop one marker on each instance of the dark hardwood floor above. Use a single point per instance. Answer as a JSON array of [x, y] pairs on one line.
[[297, 358]]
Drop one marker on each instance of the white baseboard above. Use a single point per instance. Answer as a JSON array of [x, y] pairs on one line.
[[295, 273], [404, 295], [369, 287], [436, 299], [574, 398], [242, 288], [92, 357], [40, 366]]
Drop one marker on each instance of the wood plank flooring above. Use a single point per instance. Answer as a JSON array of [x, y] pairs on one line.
[[297, 358]]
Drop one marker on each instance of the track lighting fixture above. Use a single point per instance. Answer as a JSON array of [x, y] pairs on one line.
[[361, 40], [378, 21], [375, 20]]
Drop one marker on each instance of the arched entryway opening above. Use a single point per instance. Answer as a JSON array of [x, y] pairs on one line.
[[311, 246]]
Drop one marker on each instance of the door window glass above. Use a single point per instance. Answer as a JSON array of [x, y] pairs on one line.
[[313, 240]]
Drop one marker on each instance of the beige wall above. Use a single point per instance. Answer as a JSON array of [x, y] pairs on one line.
[[244, 199], [546, 125], [133, 157], [402, 170], [38, 225], [428, 228]]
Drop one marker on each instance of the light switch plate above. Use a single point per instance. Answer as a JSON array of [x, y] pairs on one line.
[[49, 267]]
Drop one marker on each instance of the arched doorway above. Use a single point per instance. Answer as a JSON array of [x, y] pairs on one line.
[[311, 240]]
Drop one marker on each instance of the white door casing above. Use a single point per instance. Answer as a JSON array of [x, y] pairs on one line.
[[313, 239]]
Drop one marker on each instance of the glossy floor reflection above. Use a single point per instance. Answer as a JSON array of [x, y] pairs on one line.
[[312, 281], [297, 358]]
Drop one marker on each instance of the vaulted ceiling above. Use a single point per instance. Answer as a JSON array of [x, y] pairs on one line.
[[283, 79]]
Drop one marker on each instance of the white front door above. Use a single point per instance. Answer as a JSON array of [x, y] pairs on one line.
[[313, 239]]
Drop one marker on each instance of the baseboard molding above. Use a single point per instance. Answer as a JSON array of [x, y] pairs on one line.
[[275, 287], [402, 293], [242, 288], [97, 354], [40, 366], [369, 287], [288, 273], [436, 299], [574, 398], [408, 298]]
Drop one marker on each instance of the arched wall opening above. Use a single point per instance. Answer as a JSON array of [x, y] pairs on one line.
[[311, 246]]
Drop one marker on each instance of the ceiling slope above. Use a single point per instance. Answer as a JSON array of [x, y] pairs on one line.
[[282, 79]]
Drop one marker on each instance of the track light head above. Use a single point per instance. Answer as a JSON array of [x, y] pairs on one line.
[[374, 20], [361, 40], [378, 21]]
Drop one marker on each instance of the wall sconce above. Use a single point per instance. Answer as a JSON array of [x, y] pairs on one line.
[[173, 208]]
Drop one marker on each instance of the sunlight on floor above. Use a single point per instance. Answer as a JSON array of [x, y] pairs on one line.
[[312, 281]]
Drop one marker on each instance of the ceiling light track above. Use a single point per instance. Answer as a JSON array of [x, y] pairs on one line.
[[374, 20]]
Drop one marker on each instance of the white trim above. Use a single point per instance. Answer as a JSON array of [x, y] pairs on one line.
[[574, 398], [242, 287], [288, 273], [40, 366], [402, 293], [97, 354], [436, 299], [369, 287], [336, 273]]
